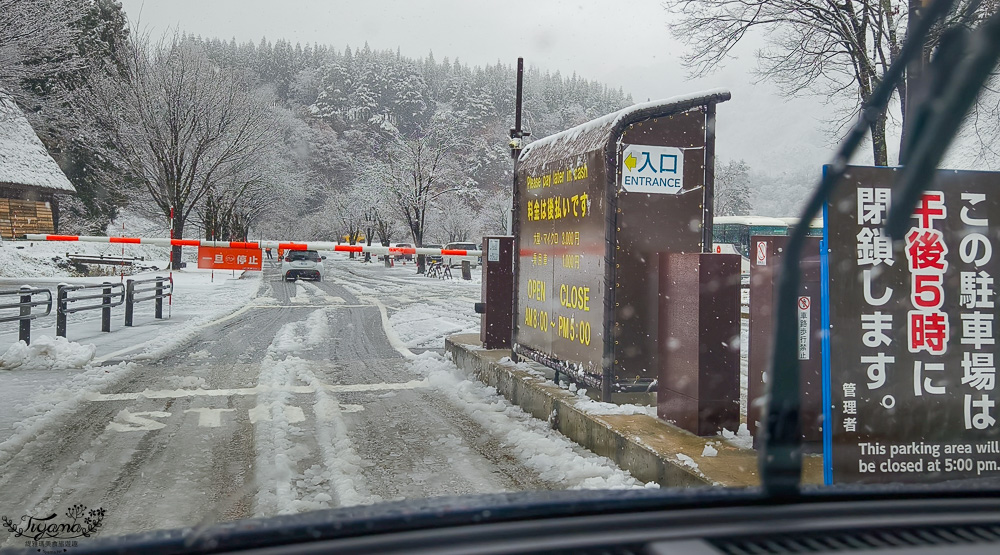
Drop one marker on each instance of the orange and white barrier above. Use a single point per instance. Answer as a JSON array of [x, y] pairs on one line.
[[281, 245]]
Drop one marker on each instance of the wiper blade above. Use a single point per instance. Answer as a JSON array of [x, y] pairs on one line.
[[781, 452]]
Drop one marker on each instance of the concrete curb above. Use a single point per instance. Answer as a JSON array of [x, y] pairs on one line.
[[645, 446]]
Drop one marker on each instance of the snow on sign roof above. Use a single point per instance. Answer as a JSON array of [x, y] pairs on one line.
[[23, 158], [595, 133]]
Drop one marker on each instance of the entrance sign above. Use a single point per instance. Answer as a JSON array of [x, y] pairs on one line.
[[589, 235], [652, 169], [911, 358], [229, 259]]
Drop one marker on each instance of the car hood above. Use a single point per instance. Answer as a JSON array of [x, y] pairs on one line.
[[434, 512]]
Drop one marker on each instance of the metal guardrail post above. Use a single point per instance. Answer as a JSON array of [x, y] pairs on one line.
[[129, 302], [106, 308], [24, 326], [61, 310], [159, 297]]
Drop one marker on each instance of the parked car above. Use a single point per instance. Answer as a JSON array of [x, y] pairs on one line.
[[404, 256], [434, 257], [462, 246], [302, 264]]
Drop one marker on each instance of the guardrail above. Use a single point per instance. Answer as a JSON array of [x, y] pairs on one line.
[[162, 288], [26, 303], [107, 296]]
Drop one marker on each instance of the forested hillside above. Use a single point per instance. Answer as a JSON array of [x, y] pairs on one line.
[[353, 121]]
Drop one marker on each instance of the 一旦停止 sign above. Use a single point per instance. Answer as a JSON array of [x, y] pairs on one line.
[[229, 259]]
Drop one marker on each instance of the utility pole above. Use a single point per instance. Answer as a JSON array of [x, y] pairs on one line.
[[914, 73]]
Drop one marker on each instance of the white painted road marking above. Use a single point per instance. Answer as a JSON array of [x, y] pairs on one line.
[[209, 417], [179, 393], [136, 421]]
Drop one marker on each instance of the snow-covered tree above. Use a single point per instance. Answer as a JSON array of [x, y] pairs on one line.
[[732, 189], [38, 42], [181, 124]]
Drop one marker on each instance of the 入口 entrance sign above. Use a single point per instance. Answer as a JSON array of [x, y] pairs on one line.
[[910, 360], [652, 169], [589, 234]]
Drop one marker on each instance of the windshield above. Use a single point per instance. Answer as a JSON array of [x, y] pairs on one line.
[[674, 280]]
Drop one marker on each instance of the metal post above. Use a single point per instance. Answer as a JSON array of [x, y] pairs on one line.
[[129, 293], [106, 308], [61, 310], [466, 270], [516, 136], [24, 328], [709, 201], [159, 297]]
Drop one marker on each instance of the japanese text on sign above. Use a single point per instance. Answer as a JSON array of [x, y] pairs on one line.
[[913, 390]]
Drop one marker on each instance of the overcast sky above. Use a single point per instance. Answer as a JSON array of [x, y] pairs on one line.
[[622, 43]]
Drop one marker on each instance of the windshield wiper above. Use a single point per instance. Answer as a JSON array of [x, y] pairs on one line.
[[781, 452]]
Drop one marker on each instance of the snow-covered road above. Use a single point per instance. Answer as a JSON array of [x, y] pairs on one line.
[[312, 395]]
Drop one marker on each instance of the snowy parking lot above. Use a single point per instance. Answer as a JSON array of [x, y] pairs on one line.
[[260, 397]]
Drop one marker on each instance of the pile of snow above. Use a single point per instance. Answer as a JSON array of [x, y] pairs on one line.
[[553, 456], [47, 353], [741, 438], [709, 451], [590, 406]]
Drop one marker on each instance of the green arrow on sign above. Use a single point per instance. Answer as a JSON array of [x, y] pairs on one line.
[[630, 162]]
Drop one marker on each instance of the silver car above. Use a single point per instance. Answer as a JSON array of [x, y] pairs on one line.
[[302, 264]]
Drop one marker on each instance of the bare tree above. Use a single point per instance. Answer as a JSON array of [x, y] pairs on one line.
[[182, 124], [459, 221], [416, 173], [838, 49], [495, 212]]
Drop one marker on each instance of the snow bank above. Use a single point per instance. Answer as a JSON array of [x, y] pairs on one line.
[[554, 457], [41, 259], [590, 406], [741, 438], [47, 353]]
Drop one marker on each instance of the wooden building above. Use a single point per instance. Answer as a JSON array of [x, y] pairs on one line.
[[30, 180]]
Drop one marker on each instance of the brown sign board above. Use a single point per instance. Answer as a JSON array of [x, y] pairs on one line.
[[912, 347], [595, 206], [765, 265]]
